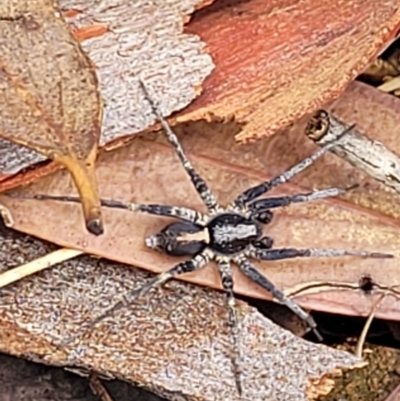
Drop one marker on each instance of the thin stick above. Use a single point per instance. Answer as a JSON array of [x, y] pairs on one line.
[[98, 388], [363, 335], [37, 265], [316, 287]]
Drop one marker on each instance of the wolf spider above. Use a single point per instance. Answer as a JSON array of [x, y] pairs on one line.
[[225, 235]]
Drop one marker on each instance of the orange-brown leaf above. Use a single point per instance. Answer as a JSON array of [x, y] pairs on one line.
[[276, 61]]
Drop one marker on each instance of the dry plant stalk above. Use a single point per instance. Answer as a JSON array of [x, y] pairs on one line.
[[359, 150], [37, 265], [51, 102]]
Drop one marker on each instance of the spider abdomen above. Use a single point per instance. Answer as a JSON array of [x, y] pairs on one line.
[[231, 233], [180, 239]]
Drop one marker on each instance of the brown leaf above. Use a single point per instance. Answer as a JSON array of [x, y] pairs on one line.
[[173, 341], [148, 171], [51, 103]]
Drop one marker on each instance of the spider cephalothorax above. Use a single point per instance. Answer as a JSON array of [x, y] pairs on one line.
[[225, 235]]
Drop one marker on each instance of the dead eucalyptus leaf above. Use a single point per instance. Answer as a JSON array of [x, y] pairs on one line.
[[148, 171], [173, 342], [50, 99]]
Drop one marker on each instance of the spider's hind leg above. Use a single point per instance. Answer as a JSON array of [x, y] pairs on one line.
[[289, 253], [253, 274], [196, 263], [225, 272]]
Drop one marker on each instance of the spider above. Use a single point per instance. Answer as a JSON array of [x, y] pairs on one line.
[[225, 235]]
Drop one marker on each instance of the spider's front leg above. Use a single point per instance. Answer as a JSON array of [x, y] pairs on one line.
[[262, 205], [258, 190]]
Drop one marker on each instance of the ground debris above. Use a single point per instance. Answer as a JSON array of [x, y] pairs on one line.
[[172, 342]]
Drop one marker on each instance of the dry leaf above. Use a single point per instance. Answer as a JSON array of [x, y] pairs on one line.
[[148, 171], [50, 98], [273, 62], [173, 341]]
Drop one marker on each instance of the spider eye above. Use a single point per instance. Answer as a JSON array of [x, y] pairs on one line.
[[264, 217]]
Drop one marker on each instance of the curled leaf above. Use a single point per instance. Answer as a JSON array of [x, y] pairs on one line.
[[365, 154]]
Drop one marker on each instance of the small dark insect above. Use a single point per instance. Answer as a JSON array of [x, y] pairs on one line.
[[231, 234]]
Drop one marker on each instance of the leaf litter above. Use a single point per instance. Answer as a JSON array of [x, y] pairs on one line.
[[84, 243], [147, 171], [141, 38], [276, 62], [44, 75], [365, 154], [285, 82], [173, 341]]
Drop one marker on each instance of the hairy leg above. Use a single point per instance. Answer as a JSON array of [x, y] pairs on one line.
[[288, 253], [201, 187], [225, 272], [196, 263], [270, 203], [256, 191], [182, 213], [253, 274]]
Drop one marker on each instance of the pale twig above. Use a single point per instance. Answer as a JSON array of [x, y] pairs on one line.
[[98, 388], [37, 265], [363, 335]]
